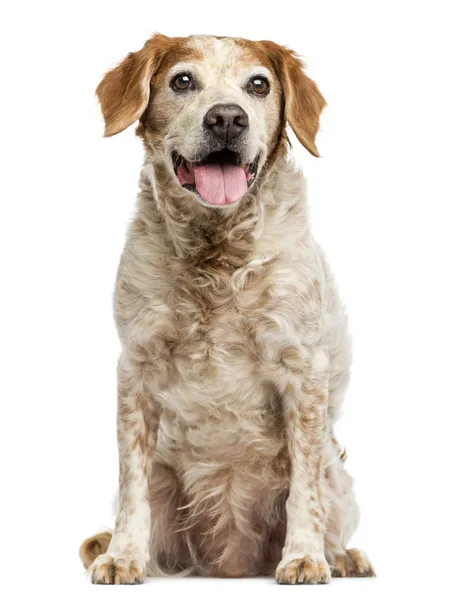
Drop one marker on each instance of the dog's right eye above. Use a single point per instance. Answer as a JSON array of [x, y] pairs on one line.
[[182, 82]]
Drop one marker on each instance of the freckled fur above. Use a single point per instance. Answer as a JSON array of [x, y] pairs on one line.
[[235, 356]]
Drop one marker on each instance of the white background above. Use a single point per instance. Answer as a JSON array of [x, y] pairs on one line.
[[382, 203]]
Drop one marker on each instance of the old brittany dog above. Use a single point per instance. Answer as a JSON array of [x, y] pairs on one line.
[[235, 356]]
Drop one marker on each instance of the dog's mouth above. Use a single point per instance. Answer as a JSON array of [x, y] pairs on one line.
[[220, 178]]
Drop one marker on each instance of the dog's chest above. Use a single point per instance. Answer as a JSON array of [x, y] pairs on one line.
[[211, 337], [218, 335]]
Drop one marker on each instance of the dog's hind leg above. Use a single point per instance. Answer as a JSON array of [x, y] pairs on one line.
[[169, 551], [343, 518]]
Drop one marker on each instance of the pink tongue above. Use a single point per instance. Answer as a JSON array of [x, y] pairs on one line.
[[220, 184]]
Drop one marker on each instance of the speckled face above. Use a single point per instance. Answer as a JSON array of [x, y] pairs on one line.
[[212, 111], [214, 114]]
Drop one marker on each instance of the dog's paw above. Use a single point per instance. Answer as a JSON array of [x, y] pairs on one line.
[[354, 563], [109, 569], [307, 569]]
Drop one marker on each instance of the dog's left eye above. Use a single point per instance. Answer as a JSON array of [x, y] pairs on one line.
[[259, 85], [182, 82]]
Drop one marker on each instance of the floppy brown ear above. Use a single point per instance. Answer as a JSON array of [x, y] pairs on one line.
[[303, 100], [124, 92]]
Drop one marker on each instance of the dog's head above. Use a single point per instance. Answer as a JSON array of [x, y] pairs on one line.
[[214, 110]]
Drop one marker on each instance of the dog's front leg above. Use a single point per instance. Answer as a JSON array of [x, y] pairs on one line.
[[305, 412], [137, 427]]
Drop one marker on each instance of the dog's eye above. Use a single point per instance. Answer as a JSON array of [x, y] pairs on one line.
[[182, 82], [259, 85]]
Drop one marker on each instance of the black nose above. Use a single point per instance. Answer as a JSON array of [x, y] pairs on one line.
[[226, 121]]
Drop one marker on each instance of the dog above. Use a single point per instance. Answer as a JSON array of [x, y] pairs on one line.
[[235, 352]]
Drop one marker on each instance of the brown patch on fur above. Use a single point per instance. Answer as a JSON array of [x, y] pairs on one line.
[[342, 452], [303, 103], [154, 120], [257, 51], [124, 92], [93, 547]]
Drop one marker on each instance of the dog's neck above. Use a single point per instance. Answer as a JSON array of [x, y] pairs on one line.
[[230, 237]]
